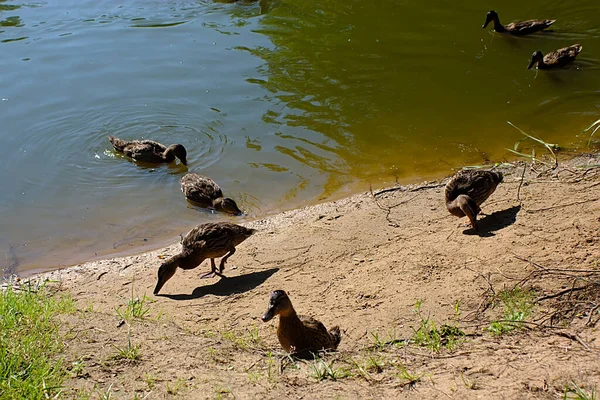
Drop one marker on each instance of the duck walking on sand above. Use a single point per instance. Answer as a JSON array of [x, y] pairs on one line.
[[299, 335], [205, 192], [517, 28], [468, 189], [555, 59], [149, 150], [210, 240]]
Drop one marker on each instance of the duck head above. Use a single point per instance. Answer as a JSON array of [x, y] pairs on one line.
[[279, 304], [535, 58], [227, 205], [166, 272], [491, 16], [178, 151]]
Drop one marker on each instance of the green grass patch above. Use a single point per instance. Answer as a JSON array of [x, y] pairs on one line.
[[429, 335], [29, 340], [575, 392], [518, 306]]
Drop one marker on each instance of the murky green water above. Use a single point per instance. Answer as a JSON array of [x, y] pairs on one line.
[[282, 102]]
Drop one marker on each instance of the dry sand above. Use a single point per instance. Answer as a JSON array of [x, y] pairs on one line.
[[361, 263]]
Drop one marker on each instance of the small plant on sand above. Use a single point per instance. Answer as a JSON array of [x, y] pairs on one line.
[[130, 352], [576, 392], [320, 370], [518, 305], [175, 387], [250, 339], [135, 308], [408, 378], [30, 340], [380, 341], [430, 336]]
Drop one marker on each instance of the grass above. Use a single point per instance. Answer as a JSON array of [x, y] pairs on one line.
[[130, 352], [518, 306], [408, 378], [248, 340], [551, 147], [595, 126], [29, 341], [135, 308], [434, 338], [575, 392], [321, 370]]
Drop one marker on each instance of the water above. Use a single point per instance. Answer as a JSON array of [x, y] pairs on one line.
[[283, 103]]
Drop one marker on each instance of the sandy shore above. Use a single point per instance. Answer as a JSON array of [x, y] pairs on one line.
[[361, 263]]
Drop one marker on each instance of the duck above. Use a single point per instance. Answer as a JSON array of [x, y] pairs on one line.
[[301, 336], [209, 240], [149, 150], [555, 59], [468, 189], [517, 28], [205, 192]]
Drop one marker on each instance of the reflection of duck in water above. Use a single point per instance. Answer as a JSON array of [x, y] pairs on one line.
[[210, 240], [518, 27], [204, 191], [555, 59], [299, 335], [468, 189], [149, 150]]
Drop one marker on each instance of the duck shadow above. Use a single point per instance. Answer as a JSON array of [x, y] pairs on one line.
[[227, 286], [495, 221]]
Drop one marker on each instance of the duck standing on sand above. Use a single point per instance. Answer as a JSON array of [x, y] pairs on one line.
[[210, 240], [299, 335], [555, 59], [205, 192], [517, 28], [468, 189], [149, 150]]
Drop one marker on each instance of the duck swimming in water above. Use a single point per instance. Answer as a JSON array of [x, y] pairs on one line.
[[299, 335], [555, 59], [517, 28], [205, 192], [149, 150], [210, 240], [468, 189]]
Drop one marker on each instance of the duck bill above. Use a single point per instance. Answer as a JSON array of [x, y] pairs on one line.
[[269, 314], [531, 64], [487, 21]]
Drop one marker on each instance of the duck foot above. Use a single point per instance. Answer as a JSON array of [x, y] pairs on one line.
[[211, 274]]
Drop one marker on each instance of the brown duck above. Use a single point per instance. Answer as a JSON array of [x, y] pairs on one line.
[[555, 59], [149, 150], [468, 189], [205, 192], [210, 240], [299, 335], [517, 28]]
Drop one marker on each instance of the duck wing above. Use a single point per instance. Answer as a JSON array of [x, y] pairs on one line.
[[476, 184], [529, 26], [563, 56], [318, 336], [200, 189]]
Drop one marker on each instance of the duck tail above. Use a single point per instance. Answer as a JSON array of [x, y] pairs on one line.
[[336, 336], [117, 143]]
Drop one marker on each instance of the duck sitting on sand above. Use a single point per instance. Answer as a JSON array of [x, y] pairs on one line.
[[468, 189], [517, 28], [205, 192], [299, 335], [149, 150], [555, 59], [210, 240]]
